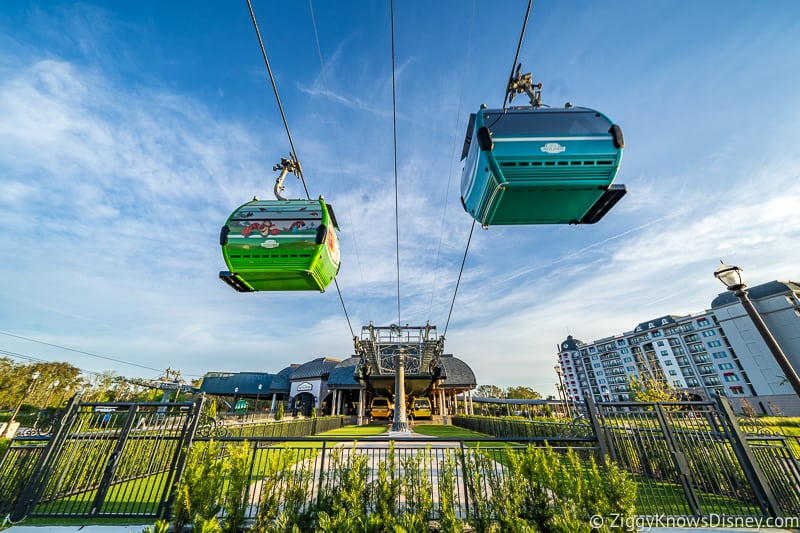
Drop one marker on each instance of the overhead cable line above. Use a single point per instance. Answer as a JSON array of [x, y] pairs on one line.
[[458, 281], [288, 132], [82, 370], [277, 96], [519, 47], [452, 154], [472, 228], [396, 201], [352, 333], [337, 141], [90, 354]]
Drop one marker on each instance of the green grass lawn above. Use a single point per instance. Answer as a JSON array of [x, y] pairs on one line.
[[447, 432], [355, 432]]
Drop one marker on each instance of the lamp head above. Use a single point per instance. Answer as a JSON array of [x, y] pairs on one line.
[[730, 276]]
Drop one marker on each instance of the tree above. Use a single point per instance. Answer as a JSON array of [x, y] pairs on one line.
[[489, 391], [522, 393], [653, 390]]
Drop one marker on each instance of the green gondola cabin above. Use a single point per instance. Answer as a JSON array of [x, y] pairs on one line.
[[280, 245]]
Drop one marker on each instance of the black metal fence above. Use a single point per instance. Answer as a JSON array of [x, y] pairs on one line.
[[687, 458], [297, 475], [125, 460], [116, 459]]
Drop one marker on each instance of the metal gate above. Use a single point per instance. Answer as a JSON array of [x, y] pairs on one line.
[[100, 460], [688, 458]]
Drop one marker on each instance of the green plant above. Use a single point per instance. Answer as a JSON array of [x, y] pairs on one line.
[[285, 495], [416, 488], [198, 492], [478, 473], [206, 525], [238, 474], [281, 411], [447, 490], [161, 526], [386, 488]]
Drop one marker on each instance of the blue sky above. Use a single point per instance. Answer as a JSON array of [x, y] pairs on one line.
[[130, 130]]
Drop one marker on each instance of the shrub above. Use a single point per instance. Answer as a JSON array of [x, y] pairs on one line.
[[198, 492], [237, 469], [447, 490]]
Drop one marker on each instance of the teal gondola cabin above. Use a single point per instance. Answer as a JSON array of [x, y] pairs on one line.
[[540, 165]]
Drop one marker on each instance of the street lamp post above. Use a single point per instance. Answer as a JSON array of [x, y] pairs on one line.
[[562, 391], [28, 390], [731, 277], [50, 390], [63, 397]]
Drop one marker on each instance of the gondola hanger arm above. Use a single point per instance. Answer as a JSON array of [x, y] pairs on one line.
[[285, 166], [523, 83]]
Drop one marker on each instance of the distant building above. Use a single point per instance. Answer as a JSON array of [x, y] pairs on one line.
[[330, 386], [717, 351]]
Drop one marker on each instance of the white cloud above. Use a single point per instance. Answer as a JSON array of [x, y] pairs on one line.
[[114, 193]]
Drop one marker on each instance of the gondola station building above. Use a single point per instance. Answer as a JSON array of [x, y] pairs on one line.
[[715, 352], [329, 386]]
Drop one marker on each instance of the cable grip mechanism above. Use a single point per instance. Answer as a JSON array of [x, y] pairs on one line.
[[285, 166], [523, 83]]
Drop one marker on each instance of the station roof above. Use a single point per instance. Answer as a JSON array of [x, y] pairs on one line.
[[339, 374], [281, 383], [459, 374], [319, 368], [343, 375], [224, 383]]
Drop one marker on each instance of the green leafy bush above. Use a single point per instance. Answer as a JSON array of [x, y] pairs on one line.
[[199, 489]]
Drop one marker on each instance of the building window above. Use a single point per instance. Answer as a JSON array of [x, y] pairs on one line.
[[677, 383], [664, 352], [714, 344], [702, 321], [628, 360], [737, 390], [709, 333], [673, 372], [660, 343], [668, 362], [730, 377], [719, 355], [725, 366]]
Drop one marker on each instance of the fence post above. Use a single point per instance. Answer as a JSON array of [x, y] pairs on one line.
[[166, 505], [35, 484], [113, 460], [599, 434], [322, 474], [752, 471], [464, 479]]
